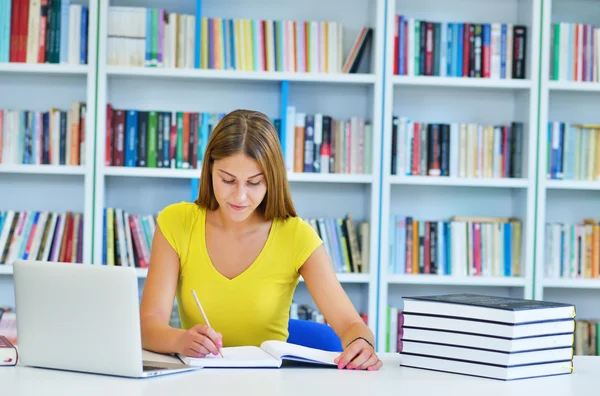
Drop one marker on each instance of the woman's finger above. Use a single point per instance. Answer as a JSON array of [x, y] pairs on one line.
[[370, 362], [364, 355]]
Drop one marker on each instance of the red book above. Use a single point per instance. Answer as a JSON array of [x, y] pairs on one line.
[[8, 353]]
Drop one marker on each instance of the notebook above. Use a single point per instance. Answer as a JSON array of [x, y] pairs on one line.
[[269, 354]]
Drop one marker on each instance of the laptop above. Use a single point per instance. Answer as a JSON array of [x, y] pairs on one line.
[[82, 317]]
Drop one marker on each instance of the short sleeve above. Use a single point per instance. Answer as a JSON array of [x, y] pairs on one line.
[[306, 240], [173, 221]]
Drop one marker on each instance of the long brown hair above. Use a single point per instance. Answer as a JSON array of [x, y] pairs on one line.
[[251, 133]]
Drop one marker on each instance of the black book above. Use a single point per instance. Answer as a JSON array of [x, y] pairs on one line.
[[491, 308]]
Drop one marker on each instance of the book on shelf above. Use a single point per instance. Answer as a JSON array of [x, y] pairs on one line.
[[320, 143], [54, 137], [572, 151], [44, 31], [156, 37], [456, 149], [572, 251], [574, 52], [587, 338], [459, 49], [346, 243], [41, 235], [459, 246], [482, 336]]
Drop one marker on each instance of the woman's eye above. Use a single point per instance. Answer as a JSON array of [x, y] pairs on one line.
[[254, 184], [228, 181]]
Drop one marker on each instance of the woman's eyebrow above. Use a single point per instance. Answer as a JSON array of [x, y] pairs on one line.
[[251, 177]]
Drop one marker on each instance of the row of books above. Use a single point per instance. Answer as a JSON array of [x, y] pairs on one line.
[[464, 150], [572, 250], [459, 49], [587, 338], [43, 31], [155, 37], [459, 246], [157, 139], [150, 37], [127, 238], [319, 143], [346, 243], [574, 53], [41, 235], [485, 335], [54, 137], [572, 152], [315, 143]]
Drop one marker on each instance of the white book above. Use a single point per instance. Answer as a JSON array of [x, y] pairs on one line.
[[269, 354]]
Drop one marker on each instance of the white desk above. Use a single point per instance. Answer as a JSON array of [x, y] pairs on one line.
[[390, 380]]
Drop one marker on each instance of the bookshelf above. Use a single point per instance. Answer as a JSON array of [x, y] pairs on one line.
[[572, 197], [33, 186], [439, 95], [145, 190]]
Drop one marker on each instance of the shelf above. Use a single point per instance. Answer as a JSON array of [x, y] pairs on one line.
[[459, 182], [6, 269], [343, 278], [329, 178], [423, 279], [584, 283], [572, 185], [463, 82], [43, 68], [195, 173], [151, 172], [43, 169], [210, 74], [574, 86]]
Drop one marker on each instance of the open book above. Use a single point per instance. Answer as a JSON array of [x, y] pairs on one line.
[[269, 354]]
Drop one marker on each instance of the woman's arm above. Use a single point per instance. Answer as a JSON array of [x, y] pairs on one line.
[[332, 301], [158, 297]]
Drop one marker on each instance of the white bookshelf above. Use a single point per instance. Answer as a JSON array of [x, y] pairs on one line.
[[454, 99], [565, 201], [144, 190], [39, 87]]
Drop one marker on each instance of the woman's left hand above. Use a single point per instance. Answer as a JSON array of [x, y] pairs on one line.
[[359, 355]]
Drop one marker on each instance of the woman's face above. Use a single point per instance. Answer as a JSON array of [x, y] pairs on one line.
[[239, 185]]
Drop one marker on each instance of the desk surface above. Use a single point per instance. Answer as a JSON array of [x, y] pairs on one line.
[[390, 380]]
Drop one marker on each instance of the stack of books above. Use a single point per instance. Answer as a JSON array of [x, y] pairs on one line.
[[488, 336]]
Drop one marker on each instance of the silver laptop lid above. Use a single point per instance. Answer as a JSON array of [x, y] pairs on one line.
[[78, 317]]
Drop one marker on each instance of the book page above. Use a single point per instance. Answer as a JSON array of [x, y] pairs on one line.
[[245, 356], [283, 350]]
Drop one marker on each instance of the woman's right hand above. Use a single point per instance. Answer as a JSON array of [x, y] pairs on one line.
[[200, 341]]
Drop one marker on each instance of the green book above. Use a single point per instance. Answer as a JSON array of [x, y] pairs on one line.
[[152, 136]]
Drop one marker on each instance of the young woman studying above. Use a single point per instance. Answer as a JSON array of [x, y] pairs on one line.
[[241, 247]]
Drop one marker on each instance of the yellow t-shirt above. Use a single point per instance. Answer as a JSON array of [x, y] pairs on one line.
[[252, 307]]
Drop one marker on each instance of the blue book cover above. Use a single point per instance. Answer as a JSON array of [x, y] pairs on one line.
[[84, 36], [64, 31], [459, 34], [197, 34], [131, 138]]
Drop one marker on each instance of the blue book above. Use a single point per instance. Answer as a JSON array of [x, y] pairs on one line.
[[64, 31], [84, 36], [131, 138]]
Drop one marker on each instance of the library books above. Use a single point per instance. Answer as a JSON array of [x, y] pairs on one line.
[[487, 336]]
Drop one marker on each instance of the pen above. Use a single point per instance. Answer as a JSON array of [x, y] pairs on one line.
[[203, 314]]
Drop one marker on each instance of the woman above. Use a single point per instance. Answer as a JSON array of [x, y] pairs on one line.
[[241, 247]]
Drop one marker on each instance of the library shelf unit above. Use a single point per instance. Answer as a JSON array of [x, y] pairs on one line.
[[444, 98], [571, 199], [41, 87], [199, 89]]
